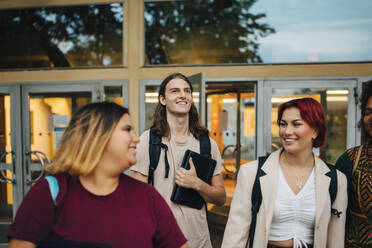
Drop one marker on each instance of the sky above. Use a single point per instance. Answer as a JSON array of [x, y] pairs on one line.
[[316, 31]]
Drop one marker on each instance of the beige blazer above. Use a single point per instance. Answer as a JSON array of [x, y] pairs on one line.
[[329, 231]]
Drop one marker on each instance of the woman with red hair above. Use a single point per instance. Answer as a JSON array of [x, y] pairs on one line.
[[296, 202]]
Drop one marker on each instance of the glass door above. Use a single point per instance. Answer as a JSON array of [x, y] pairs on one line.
[[10, 157], [231, 119], [47, 111], [339, 103]]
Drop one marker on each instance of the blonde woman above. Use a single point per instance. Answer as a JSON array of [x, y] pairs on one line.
[[296, 205], [96, 201]]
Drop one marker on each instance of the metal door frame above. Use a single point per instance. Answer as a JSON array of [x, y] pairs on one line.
[[16, 141]]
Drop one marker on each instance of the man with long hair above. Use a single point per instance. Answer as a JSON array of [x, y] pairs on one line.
[[176, 120]]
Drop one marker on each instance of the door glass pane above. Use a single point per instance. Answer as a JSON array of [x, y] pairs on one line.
[[114, 94], [227, 128], [55, 37], [231, 123], [151, 100], [6, 163], [50, 114], [196, 96], [248, 135], [335, 106]]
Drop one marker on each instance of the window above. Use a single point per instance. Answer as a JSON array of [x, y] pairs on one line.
[[262, 31], [74, 36]]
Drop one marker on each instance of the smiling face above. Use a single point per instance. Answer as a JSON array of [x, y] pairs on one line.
[[367, 118], [121, 147], [178, 97], [295, 134]]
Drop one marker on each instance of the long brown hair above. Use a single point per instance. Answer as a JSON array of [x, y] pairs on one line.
[[160, 114], [85, 138]]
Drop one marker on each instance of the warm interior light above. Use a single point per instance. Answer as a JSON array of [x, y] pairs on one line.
[[337, 98], [281, 100], [229, 100], [337, 92], [151, 94]]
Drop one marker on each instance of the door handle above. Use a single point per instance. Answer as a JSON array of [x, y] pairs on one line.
[[29, 181], [233, 156], [4, 178]]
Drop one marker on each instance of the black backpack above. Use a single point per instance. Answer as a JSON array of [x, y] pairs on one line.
[[257, 195], [155, 146]]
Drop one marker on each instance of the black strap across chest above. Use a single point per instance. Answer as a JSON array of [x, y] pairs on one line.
[[155, 146]]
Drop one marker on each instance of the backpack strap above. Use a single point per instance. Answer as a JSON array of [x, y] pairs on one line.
[[205, 150], [333, 188], [205, 145], [256, 198], [53, 188], [155, 146]]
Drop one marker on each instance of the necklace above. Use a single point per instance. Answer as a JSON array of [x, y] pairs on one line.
[[299, 178], [299, 182]]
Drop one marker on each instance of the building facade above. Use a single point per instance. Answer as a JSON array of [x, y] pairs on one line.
[[243, 57]]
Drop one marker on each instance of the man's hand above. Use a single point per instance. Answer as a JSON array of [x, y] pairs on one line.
[[188, 178], [214, 193]]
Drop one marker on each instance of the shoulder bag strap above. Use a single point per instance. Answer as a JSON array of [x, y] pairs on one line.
[[256, 199]]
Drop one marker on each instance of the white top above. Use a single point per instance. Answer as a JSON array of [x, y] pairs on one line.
[[294, 215]]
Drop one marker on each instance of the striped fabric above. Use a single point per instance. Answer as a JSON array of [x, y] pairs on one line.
[[360, 226]]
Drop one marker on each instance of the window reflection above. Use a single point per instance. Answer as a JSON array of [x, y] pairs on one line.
[[203, 32], [257, 31], [75, 36]]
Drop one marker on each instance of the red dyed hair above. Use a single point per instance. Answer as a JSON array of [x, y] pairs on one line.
[[312, 113]]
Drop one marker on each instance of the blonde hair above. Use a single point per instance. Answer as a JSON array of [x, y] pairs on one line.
[[85, 138]]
